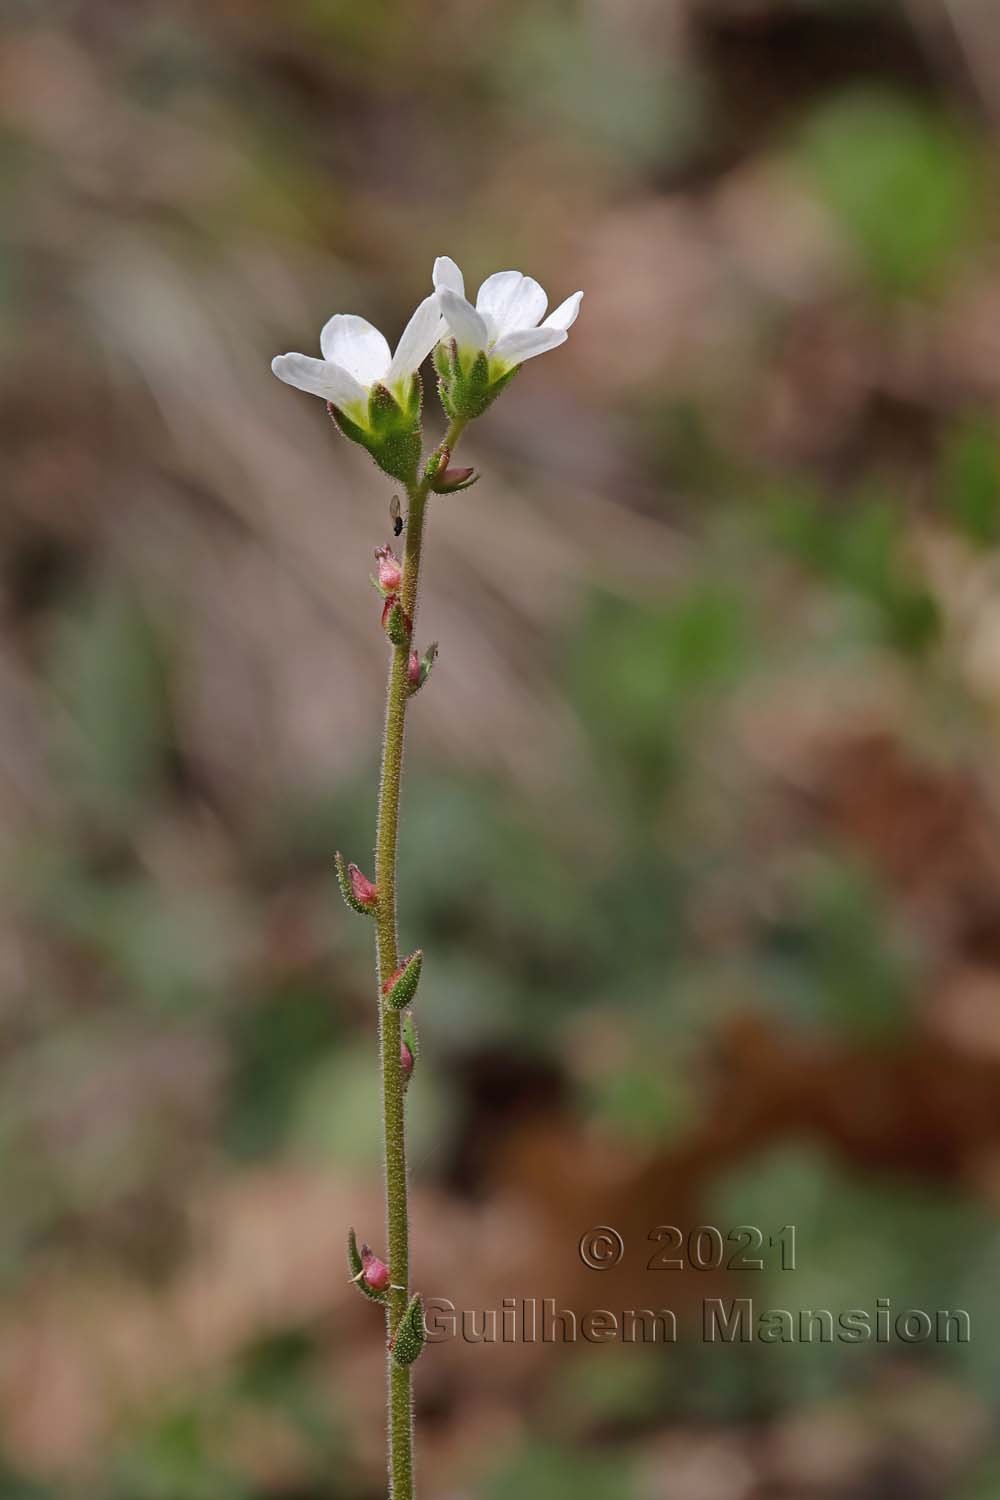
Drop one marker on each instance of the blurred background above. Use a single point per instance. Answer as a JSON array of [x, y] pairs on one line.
[[702, 823]]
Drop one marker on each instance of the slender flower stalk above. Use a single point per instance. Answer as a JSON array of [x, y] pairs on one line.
[[375, 399], [387, 950]]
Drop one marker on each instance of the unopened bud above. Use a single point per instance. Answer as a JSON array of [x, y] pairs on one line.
[[357, 890], [365, 892], [396, 622], [418, 668], [400, 988], [408, 1048], [390, 570], [450, 481], [360, 1270], [408, 1340], [374, 1271]]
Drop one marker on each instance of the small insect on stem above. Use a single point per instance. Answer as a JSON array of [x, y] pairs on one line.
[[394, 516]]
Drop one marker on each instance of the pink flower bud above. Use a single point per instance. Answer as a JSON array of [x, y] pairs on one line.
[[362, 889], [390, 570], [374, 1271], [452, 478], [406, 1061]]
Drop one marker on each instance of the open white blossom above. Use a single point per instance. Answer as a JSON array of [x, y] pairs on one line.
[[506, 320], [356, 358]]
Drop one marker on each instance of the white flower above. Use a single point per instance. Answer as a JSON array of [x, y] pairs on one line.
[[505, 321], [356, 358]]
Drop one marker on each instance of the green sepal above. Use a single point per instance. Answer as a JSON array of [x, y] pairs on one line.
[[444, 397], [410, 1035], [503, 381], [346, 890], [357, 1268], [445, 355], [393, 435], [397, 625], [400, 988], [467, 392], [408, 1339], [436, 461]]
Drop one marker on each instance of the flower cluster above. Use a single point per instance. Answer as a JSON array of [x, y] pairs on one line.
[[375, 394]]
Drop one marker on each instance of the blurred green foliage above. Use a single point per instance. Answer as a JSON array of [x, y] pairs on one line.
[[901, 180]]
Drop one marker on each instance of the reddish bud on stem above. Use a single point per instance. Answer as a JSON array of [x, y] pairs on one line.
[[453, 479], [401, 986], [362, 889], [406, 1061], [390, 570], [374, 1271]]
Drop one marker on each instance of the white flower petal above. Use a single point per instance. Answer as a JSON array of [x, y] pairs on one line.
[[496, 290], [513, 301], [353, 342], [463, 320], [447, 274], [566, 313], [525, 343], [417, 340], [320, 378]]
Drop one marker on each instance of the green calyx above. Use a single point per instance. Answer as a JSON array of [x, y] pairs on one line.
[[409, 1336], [392, 434], [397, 624], [400, 988], [468, 386]]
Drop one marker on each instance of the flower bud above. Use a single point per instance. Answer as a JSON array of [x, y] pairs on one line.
[[408, 1340], [418, 668], [357, 890], [408, 1048], [400, 988], [396, 622], [444, 480], [360, 1270], [374, 1271], [390, 570], [364, 891], [449, 481]]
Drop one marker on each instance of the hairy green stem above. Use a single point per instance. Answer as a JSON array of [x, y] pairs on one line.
[[387, 950]]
